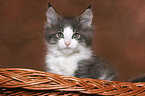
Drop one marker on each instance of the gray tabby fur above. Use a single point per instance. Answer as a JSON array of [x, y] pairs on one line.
[[93, 67]]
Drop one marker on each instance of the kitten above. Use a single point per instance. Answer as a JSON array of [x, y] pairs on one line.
[[69, 43]]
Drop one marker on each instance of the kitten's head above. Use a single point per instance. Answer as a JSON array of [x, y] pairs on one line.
[[68, 34]]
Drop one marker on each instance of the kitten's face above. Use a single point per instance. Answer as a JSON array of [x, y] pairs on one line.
[[68, 34]]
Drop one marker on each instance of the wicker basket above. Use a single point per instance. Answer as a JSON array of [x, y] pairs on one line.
[[27, 82]]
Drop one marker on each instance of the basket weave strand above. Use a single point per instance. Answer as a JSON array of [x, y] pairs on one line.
[[18, 81]]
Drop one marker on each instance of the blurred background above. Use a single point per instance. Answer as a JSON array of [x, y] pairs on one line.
[[119, 32]]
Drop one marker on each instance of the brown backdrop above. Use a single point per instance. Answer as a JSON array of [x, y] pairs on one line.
[[119, 32]]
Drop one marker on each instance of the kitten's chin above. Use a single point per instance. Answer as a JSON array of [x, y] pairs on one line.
[[67, 51]]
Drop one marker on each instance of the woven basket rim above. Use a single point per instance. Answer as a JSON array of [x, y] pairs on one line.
[[30, 80]]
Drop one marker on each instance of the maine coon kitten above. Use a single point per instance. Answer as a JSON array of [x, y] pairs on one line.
[[69, 41]]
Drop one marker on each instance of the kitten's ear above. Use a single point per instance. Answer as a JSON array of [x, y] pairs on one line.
[[52, 16], [86, 17]]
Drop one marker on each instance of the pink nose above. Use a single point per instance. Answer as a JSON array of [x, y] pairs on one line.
[[67, 44]]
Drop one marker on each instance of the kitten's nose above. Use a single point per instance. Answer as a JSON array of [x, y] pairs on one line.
[[67, 44]]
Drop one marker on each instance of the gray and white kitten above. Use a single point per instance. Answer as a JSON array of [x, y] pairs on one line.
[[68, 43]]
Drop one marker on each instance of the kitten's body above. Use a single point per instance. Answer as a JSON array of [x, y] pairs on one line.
[[69, 52]]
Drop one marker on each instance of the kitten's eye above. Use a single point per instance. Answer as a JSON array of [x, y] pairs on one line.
[[76, 36], [60, 35]]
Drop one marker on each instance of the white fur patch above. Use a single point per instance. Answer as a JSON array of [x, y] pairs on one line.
[[68, 32], [62, 59], [59, 63]]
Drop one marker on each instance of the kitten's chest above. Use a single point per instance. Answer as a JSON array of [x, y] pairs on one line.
[[62, 65]]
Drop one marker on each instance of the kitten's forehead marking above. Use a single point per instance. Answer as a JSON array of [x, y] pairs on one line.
[[68, 32]]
